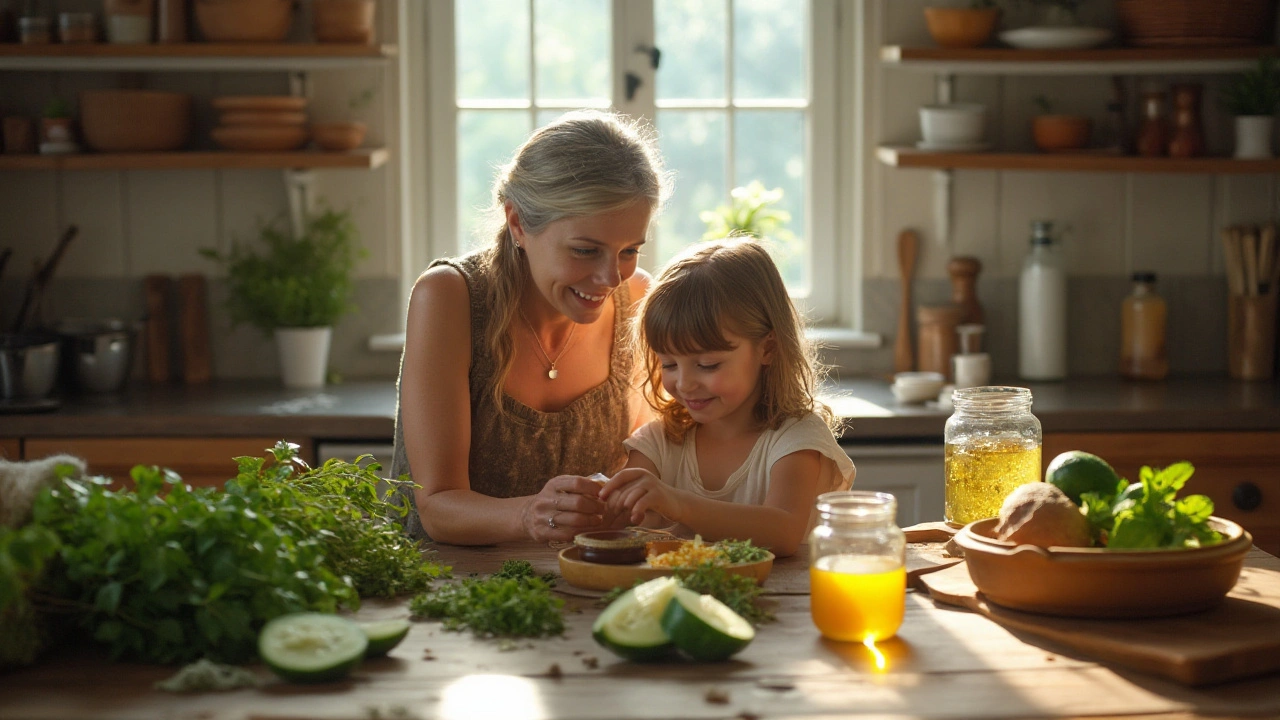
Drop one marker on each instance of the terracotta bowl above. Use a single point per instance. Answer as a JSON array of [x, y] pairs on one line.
[[343, 21], [244, 20], [259, 103], [1101, 583], [260, 138], [961, 27], [1061, 133], [339, 136], [135, 120], [262, 117]]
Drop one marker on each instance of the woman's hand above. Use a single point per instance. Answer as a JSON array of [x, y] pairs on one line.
[[566, 506], [634, 491]]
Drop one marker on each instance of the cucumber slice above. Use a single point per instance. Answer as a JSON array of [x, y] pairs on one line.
[[632, 625], [704, 628], [384, 635], [312, 647]]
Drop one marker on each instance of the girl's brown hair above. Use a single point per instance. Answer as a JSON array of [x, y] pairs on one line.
[[585, 163], [732, 285]]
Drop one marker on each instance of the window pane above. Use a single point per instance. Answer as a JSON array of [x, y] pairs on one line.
[[486, 140], [769, 146], [769, 48], [691, 35], [693, 146], [492, 49], [572, 47]]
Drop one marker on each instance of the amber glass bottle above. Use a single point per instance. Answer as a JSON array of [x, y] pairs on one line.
[[1142, 326]]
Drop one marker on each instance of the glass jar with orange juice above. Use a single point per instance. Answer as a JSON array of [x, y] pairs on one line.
[[857, 571]]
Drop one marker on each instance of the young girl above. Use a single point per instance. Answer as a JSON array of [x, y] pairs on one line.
[[740, 448]]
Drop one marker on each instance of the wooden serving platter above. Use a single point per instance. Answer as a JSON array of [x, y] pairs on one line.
[[1238, 639], [598, 576]]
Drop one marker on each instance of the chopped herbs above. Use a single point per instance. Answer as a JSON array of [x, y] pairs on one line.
[[509, 603], [741, 551]]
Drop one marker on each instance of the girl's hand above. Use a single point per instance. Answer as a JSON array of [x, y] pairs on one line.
[[566, 506], [635, 491]]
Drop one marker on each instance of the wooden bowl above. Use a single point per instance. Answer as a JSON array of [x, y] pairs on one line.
[[598, 576], [1102, 583], [961, 27], [343, 21], [135, 120], [260, 138], [1061, 133], [339, 136], [259, 103], [244, 20], [262, 117]]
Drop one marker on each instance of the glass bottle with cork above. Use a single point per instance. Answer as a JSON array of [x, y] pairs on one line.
[[857, 572], [1142, 331], [992, 447]]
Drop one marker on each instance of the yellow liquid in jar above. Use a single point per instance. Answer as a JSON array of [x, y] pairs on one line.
[[856, 597], [979, 476]]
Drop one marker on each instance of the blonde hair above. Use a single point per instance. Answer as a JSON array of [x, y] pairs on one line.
[[585, 163], [732, 285]]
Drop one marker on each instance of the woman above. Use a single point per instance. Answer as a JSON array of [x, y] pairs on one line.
[[517, 377]]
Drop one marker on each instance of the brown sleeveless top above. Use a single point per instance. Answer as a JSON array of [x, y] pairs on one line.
[[516, 453]]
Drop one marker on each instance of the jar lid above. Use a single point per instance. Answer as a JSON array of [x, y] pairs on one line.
[[1144, 276], [857, 505]]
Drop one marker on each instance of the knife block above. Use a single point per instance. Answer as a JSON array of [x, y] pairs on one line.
[[1251, 336]]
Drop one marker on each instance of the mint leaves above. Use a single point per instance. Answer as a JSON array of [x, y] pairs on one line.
[[1148, 513]]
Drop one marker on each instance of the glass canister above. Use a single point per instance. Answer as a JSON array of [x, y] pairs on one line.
[[857, 570], [992, 446]]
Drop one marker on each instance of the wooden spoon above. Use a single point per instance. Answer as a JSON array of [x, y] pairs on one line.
[[903, 356]]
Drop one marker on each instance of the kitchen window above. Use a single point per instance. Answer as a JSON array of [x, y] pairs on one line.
[[739, 90]]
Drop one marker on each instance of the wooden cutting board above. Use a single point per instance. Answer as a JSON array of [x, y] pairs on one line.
[[1236, 640]]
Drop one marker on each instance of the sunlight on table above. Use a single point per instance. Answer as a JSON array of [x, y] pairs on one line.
[[500, 697]]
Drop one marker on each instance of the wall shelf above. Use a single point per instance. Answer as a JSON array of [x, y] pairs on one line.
[[903, 157], [1112, 61], [366, 159], [194, 56]]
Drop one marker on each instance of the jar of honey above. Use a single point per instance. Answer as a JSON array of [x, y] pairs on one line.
[[992, 446], [857, 571]]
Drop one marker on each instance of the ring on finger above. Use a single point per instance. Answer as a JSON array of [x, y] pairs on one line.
[[551, 522]]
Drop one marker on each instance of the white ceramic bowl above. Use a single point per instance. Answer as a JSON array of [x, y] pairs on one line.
[[953, 124], [916, 387]]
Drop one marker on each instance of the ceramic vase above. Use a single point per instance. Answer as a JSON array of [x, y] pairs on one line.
[[1253, 137], [304, 355]]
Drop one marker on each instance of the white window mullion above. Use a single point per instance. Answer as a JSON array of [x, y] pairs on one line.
[[633, 27], [442, 136], [833, 285], [533, 65], [731, 173]]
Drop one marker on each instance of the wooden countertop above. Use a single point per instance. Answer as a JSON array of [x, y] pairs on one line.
[[946, 663], [366, 410]]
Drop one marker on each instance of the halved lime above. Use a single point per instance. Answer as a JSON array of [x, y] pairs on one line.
[[384, 635], [312, 647], [704, 628], [1076, 472], [632, 625]]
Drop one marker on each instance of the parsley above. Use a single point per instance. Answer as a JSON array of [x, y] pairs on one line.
[[509, 603], [1148, 513], [741, 551]]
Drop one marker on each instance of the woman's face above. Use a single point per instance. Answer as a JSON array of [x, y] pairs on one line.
[[577, 263]]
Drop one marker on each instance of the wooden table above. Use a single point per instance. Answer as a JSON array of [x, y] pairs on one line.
[[945, 663]]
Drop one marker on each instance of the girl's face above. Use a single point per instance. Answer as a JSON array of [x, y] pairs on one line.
[[719, 387], [577, 263]]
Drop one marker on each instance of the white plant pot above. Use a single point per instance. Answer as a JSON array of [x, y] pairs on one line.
[[304, 355], [1253, 137]]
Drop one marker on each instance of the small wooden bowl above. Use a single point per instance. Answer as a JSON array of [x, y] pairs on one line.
[[338, 136], [259, 103], [597, 576], [244, 20], [260, 138], [262, 117], [1061, 133], [1102, 583], [611, 547], [961, 27]]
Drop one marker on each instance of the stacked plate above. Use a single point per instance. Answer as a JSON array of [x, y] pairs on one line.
[[261, 123]]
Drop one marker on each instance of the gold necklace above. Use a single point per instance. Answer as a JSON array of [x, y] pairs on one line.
[[552, 373]]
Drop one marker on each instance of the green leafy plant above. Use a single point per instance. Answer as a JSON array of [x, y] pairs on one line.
[[57, 109], [1148, 513], [1253, 92], [288, 281], [750, 213], [510, 603]]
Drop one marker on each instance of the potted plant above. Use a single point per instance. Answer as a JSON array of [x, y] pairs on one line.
[[1055, 132], [55, 128], [1252, 97], [962, 27], [295, 288], [751, 213]]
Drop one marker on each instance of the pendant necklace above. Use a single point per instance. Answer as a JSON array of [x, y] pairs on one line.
[[552, 373]]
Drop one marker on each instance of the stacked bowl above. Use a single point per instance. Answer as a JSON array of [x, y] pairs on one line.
[[916, 387], [261, 123]]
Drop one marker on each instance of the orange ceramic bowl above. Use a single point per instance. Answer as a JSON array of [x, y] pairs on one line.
[[961, 27], [1061, 133], [338, 136], [135, 120], [260, 138], [1102, 583], [244, 20]]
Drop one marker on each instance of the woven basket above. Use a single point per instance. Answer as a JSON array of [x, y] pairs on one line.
[[1186, 23]]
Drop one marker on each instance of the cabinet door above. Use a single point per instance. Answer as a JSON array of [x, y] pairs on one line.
[[1239, 471], [205, 462], [10, 449]]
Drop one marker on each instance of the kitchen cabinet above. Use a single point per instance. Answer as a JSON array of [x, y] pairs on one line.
[[202, 462], [1239, 471], [10, 448]]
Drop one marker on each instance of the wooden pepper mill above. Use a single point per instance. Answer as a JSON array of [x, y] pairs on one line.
[[964, 278]]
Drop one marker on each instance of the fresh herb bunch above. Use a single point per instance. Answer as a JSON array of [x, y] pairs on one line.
[[509, 603], [303, 281], [24, 554], [1253, 92], [741, 551], [164, 573], [1148, 514]]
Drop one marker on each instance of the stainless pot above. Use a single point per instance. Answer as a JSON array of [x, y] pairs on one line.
[[98, 354], [28, 365]]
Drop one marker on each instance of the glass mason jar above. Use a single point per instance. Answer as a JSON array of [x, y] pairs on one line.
[[857, 571], [992, 446]]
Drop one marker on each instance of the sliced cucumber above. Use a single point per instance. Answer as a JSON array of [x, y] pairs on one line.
[[384, 635], [312, 647], [704, 628], [632, 625]]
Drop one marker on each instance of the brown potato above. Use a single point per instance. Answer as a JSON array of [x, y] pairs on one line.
[[1040, 514]]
